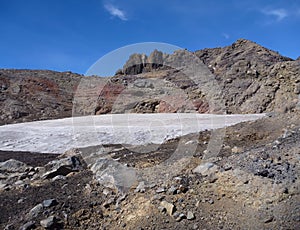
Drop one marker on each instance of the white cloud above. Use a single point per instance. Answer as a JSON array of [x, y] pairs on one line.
[[279, 14], [225, 35], [115, 12]]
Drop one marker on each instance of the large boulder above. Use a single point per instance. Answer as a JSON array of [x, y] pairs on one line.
[[113, 174], [12, 166], [63, 167]]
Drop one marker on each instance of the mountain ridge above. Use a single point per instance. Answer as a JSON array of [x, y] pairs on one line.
[[251, 78]]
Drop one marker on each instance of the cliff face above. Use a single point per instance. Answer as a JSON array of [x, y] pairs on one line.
[[248, 78]]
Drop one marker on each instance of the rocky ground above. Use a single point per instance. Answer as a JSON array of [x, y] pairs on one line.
[[253, 183]]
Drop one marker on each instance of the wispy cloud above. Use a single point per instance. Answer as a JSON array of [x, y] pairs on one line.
[[279, 14], [115, 12], [225, 35]]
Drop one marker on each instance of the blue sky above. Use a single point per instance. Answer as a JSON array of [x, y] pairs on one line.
[[71, 35]]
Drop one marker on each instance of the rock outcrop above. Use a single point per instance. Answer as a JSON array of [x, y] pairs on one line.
[[139, 63], [251, 78]]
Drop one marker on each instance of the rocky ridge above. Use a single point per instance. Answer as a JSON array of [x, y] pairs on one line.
[[254, 79], [248, 78], [251, 78], [29, 95]]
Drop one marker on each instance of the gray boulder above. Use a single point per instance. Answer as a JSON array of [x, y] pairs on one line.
[[112, 174], [12, 166], [63, 167], [28, 225], [35, 211], [49, 222], [206, 169]]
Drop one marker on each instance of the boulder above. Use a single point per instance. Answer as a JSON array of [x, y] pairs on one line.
[[49, 203], [206, 169], [13, 166], [27, 226], [63, 167], [48, 222], [190, 215], [35, 211], [168, 206], [113, 174]]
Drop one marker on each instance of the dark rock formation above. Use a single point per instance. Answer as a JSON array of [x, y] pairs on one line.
[[139, 63]]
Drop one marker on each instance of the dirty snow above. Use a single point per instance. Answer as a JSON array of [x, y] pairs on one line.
[[57, 136]]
